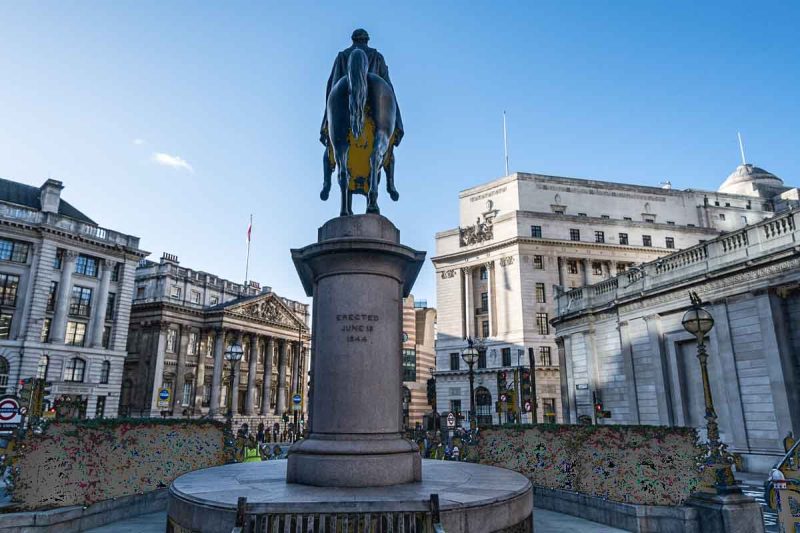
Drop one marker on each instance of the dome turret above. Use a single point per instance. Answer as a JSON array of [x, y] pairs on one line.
[[751, 181]]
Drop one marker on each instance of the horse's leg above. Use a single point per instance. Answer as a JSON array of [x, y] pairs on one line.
[[327, 170], [388, 167], [349, 201], [376, 158], [341, 159]]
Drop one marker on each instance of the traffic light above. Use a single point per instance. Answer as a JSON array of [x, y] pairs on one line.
[[432, 391], [501, 381], [525, 379], [26, 392]]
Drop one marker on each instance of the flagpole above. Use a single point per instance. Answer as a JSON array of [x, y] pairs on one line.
[[247, 261]]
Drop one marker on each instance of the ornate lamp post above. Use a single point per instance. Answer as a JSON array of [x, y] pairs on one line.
[[234, 355], [470, 356], [698, 321]]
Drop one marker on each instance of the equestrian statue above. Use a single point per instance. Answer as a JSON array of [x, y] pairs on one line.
[[361, 125]]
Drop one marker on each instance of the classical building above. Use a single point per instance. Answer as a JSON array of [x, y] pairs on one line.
[[65, 300], [182, 323], [419, 322], [622, 342], [524, 237]]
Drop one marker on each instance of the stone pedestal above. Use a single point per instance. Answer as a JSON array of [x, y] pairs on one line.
[[727, 513], [358, 273]]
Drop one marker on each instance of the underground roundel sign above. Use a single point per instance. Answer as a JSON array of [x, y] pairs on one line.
[[9, 411]]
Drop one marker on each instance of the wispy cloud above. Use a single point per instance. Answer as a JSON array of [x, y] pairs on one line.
[[139, 142], [173, 161]]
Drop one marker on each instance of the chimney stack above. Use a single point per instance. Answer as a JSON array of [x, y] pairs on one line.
[[50, 196]]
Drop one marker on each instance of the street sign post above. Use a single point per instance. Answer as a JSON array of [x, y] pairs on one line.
[[297, 402], [451, 421], [163, 397], [10, 414]]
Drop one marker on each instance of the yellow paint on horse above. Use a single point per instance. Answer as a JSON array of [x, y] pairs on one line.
[[358, 156]]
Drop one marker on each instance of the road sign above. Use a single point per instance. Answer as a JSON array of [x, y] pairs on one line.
[[451, 420], [503, 397], [528, 406], [163, 397], [297, 399], [10, 414]]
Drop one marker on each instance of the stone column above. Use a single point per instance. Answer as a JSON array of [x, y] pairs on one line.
[[296, 354], [613, 268], [200, 376], [280, 403], [469, 297], [58, 328], [99, 313], [158, 366], [250, 402], [358, 274], [237, 372], [606, 269], [180, 368], [266, 385], [586, 275], [219, 360], [490, 289], [562, 271]]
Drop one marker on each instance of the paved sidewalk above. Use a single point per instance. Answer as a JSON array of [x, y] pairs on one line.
[[544, 522]]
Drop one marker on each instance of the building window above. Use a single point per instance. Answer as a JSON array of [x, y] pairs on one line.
[[574, 234], [139, 293], [627, 218], [100, 408], [744, 219], [485, 329], [51, 298], [106, 337], [105, 371], [482, 358], [86, 266], [214, 300], [409, 364], [81, 302], [541, 297], [670, 242], [647, 240], [172, 340], [206, 396], [542, 324], [722, 216], [3, 375], [572, 266], [536, 231], [187, 393], [191, 349], [75, 370], [76, 331], [484, 301], [621, 268], [116, 272], [623, 238], [599, 236], [57, 259], [604, 216], [110, 306], [46, 330], [538, 262], [8, 289], [175, 292], [196, 297], [581, 214], [506, 353], [549, 408], [14, 251], [5, 324], [545, 356], [455, 361], [44, 365], [455, 406], [649, 218], [670, 222], [597, 268], [484, 273]]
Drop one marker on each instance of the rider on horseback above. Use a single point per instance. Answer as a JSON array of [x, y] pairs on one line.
[[377, 66]]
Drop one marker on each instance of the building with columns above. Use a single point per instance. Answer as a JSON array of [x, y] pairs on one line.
[[523, 238], [622, 340], [182, 323], [65, 301], [419, 323]]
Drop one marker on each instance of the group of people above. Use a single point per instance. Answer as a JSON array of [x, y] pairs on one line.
[[442, 446], [252, 447]]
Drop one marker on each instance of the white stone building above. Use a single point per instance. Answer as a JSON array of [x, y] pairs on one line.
[[622, 340], [65, 301], [523, 237]]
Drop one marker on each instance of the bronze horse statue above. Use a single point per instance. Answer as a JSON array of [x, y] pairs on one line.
[[361, 122]]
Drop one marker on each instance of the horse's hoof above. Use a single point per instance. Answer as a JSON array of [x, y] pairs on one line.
[[373, 211], [394, 195], [324, 193]]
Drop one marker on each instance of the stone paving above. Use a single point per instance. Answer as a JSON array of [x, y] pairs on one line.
[[544, 522]]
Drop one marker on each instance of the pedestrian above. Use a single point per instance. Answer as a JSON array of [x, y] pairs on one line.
[[277, 452], [260, 438], [251, 452]]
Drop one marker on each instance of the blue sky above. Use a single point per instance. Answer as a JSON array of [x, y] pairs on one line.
[[232, 92]]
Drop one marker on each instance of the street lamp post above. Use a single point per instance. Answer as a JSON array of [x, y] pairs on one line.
[[698, 321], [470, 355], [234, 355]]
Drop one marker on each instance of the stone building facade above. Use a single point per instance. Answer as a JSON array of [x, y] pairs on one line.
[[65, 301], [523, 238], [419, 323], [182, 323], [622, 340]]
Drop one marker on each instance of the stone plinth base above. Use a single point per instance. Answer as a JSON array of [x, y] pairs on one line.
[[473, 499], [727, 513]]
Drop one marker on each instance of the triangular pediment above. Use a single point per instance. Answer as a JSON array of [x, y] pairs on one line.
[[268, 308]]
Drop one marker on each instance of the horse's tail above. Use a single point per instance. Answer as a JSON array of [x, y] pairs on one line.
[[357, 65]]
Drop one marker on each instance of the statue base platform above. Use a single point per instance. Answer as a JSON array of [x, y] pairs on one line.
[[473, 499]]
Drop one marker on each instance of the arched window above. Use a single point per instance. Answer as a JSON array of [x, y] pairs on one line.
[[483, 406], [105, 370], [3, 375], [44, 365], [75, 370]]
